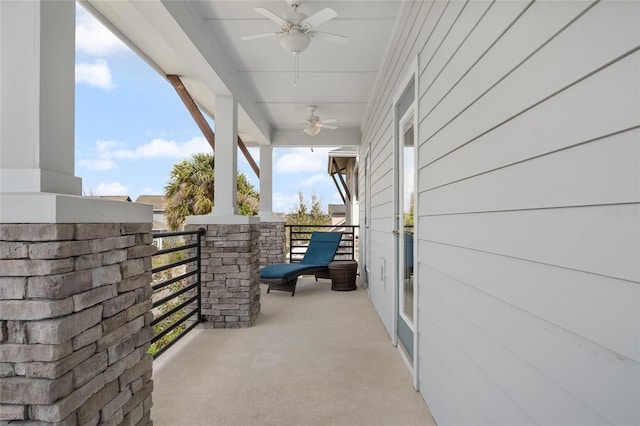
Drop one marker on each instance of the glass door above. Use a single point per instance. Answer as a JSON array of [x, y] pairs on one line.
[[367, 217], [404, 226]]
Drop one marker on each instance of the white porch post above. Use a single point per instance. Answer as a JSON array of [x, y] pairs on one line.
[[230, 256], [37, 97], [272, 232], [266, 182], [37, 118], [226, 166], [69, 265]]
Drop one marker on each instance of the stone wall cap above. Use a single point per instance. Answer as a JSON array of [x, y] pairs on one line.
[[45, 207], [210, 219]]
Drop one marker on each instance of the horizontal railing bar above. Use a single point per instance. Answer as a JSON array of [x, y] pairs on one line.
[[168, 345], [163, 284], [174, 295], [174, 249], [163, 234], [172, 265], [174, 310], [172, 327]]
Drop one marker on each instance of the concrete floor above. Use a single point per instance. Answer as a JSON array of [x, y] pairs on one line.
[[320, 358]]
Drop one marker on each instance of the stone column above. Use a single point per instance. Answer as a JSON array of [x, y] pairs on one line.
[[272, 242], [75, 318], [230, 273]]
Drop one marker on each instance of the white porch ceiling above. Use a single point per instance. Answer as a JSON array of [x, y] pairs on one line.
[[200, 42]]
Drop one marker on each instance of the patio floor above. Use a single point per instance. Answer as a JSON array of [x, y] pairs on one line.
[[319, 358]]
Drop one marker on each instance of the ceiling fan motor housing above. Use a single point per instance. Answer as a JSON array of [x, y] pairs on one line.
[[294, 3]]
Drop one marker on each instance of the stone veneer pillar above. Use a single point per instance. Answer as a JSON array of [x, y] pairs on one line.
[[230, 274], [75, 303], [272, 242]]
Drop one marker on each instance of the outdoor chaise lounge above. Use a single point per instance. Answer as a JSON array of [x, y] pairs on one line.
[[284, 276]]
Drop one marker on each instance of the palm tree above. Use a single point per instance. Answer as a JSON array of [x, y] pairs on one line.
[[191, 187]]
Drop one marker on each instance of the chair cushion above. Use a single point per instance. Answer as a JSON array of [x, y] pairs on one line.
[[322, 248], [287, 270]]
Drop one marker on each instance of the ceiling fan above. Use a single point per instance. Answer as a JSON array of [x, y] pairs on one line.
[[314, 124], [297, 29]]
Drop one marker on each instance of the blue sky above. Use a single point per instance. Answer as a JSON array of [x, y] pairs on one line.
[[131, 128]]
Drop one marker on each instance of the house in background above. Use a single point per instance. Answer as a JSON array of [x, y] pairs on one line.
[[159, 203], [337, 214], [498, 189]]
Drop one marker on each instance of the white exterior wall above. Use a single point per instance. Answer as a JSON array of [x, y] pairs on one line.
[[528, 208]]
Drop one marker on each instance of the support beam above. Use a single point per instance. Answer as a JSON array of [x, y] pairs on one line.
[[344, 184], [193, 109], [202, 123], [248, 156], [335, 181]]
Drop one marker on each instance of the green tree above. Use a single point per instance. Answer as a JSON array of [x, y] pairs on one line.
[[408, 216], [302, 214], [306, 220], [191, 187]]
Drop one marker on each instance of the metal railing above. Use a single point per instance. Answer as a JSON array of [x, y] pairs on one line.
[[176, 287], [298, 237]]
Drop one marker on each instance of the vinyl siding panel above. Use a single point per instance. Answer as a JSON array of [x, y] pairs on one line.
[[378, 136], [542, 130], [601, 172], [528, 207]]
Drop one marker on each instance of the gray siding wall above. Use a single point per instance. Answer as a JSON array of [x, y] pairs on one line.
[[528, 208]]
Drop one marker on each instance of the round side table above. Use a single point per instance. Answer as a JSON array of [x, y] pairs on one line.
[[343, 275]]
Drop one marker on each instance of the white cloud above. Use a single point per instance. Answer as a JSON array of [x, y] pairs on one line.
[[104, 160], [99, 164], [302, 160], [94, 38], [114, 188], [161, 148], [107, 152], [316, 180], [284, 203], [96, 74]]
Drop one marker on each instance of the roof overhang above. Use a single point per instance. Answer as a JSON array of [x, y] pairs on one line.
[[339, 159]]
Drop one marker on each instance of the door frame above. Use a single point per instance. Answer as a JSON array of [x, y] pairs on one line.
[[411, 77], [367, 220]]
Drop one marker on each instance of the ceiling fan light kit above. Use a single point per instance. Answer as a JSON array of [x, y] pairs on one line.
[[312, 130], [295, 41], [314, 124], [297, 29]]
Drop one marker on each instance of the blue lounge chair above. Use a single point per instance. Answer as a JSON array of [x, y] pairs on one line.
[[284, 276]]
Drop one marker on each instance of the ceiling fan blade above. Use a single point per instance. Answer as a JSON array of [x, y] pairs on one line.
[[319, 18], [329, 120], [269, 14], [326, 126], [329, 37], [256, 36]]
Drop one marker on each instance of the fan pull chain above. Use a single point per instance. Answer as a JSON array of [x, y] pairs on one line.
[[296, 69]]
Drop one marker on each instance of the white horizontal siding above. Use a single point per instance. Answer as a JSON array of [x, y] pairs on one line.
[[601, 172], [553, 376], [567, 58], [528, 190], [378, 138], [544, 130], [599, 303]]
